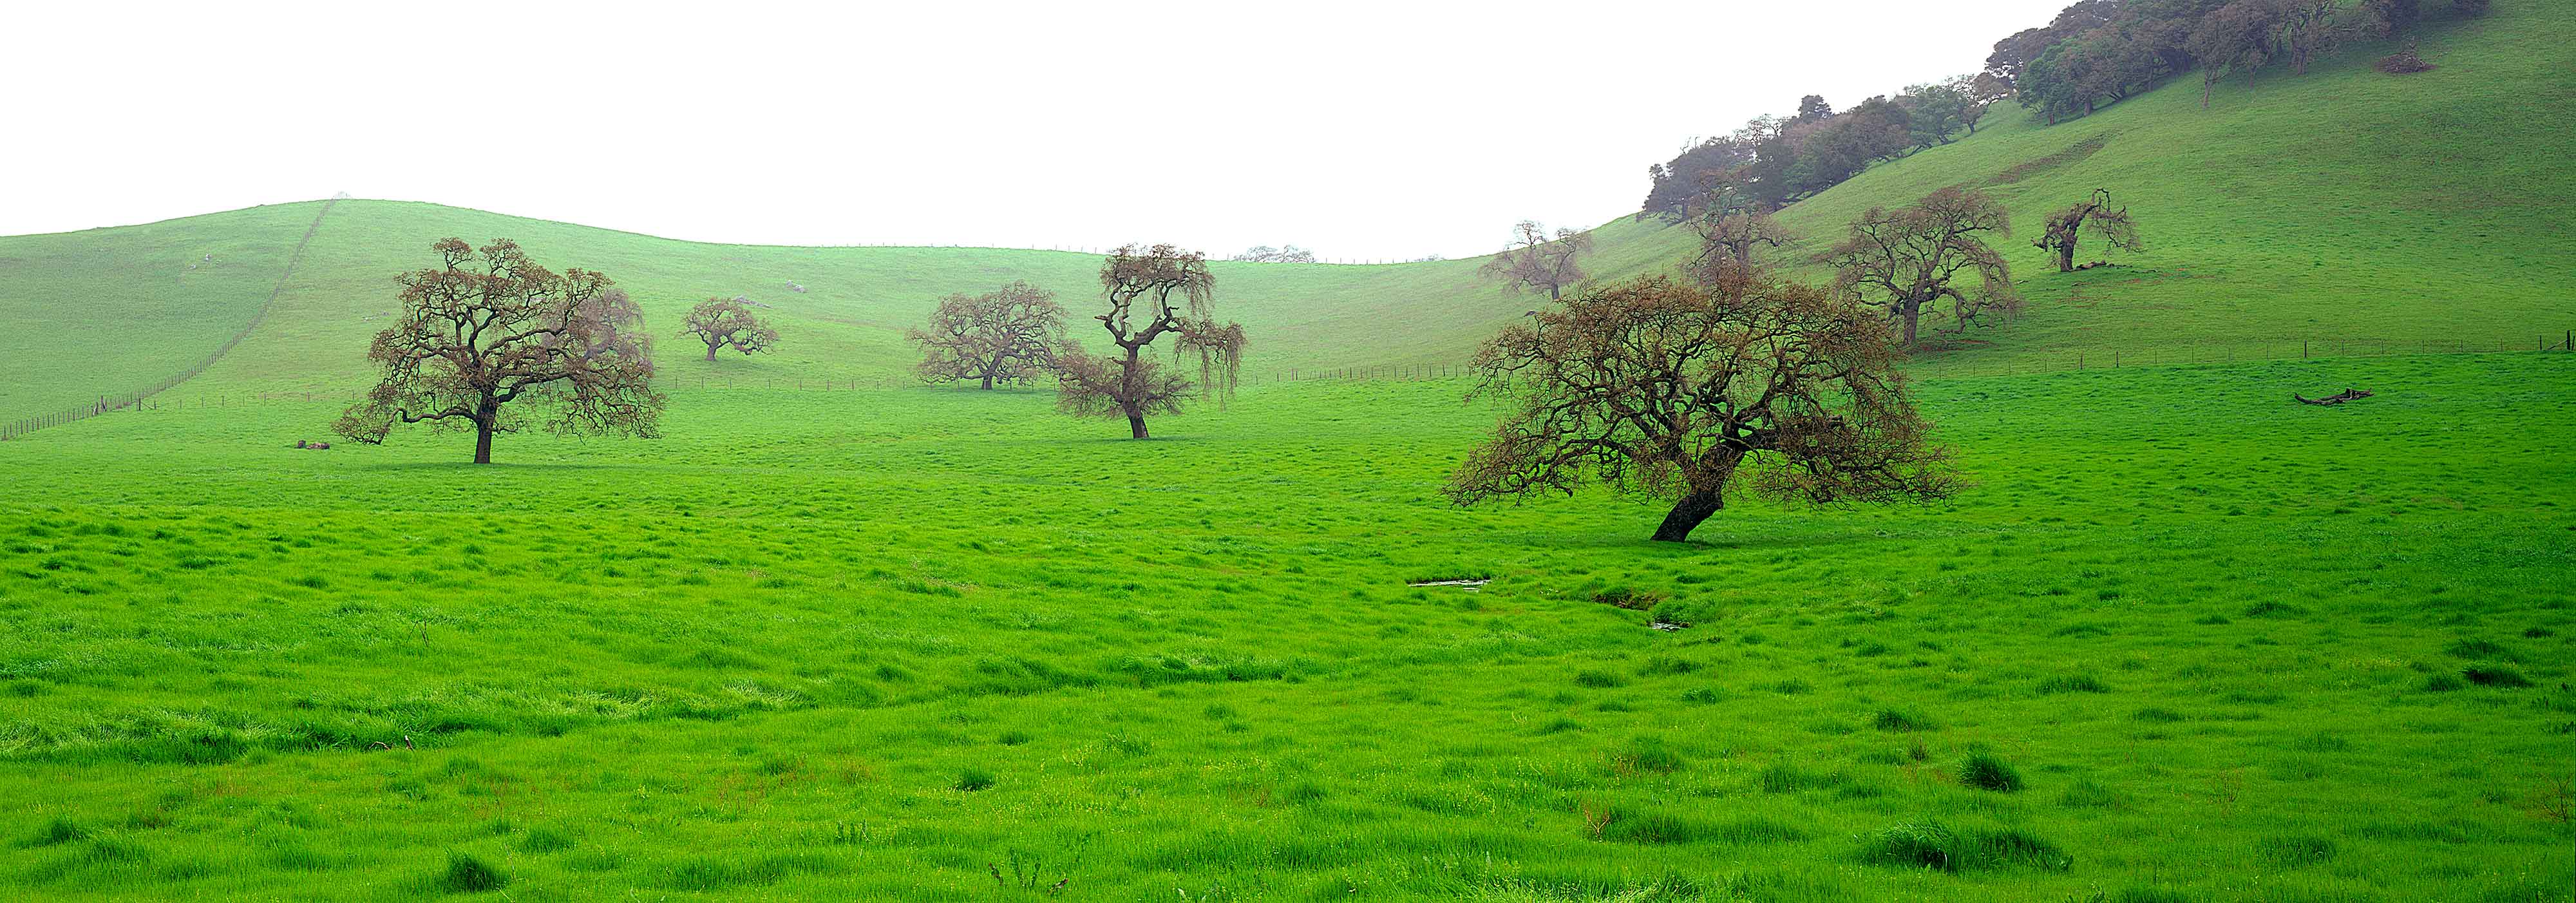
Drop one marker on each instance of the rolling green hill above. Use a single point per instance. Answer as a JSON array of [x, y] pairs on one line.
[[2345, 204]]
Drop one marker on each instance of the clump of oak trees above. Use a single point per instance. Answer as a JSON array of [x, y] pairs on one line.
[[2094, 216], [727, 323], [1152, 293], [1010, 335], [1671, 389], [489, 340], [1914, 260], [2098, 51]]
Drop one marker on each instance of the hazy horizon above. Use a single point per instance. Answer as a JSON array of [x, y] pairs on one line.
[[944, 127]]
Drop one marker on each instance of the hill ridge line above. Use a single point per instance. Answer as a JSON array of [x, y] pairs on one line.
[[106, 403]]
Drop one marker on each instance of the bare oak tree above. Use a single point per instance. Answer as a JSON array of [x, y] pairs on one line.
[[489, 333], [2066, 228], [1151, 292], [1008, 335], [1727, 240], [1909, 260], [1665, 389], [1534, 261], [727, 322]]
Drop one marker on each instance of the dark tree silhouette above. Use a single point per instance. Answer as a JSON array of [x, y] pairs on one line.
[[1535, 261], [489, 333], [2233, 38], [1909, 260], [727, 322], [1005, 336], [2067, 227], [1664, 389], [1151, 292]]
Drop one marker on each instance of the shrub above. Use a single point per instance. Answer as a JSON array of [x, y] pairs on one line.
[[2479, 649], [1936, 846], [1986, 771], [468, 875], [2072, 683], [1599, 679], [1901, 720], [59, 831], [1650, 755], [973, 779], [2295, 851], [2494, 676]]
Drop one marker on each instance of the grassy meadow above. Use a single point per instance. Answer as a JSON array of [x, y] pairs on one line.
[[2181, 639], [2185, 640]]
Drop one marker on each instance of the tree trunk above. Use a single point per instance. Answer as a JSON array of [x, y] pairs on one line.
[[988, 381], [486, 416], [1135, 425], [1913, 316], [2066, 256], [711, 353], [1687, 514]]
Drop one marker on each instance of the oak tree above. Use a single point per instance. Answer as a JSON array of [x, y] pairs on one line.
[[2094, 215], [1535, 261], [1911, 259], [489, 341], [1727, 241], [1152, 292], [1665, 389], [1008, 335], [727, 323]]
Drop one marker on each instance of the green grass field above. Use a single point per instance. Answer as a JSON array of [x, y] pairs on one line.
[[872, 644], [838, 636]]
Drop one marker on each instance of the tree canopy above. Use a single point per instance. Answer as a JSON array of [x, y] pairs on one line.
[[1010, 335], [727, 323], [1151, 292], [489, 336], [1911, 260], [1665, 389]]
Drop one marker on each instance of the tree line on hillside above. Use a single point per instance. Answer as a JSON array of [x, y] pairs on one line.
[[2102, 51], [2093, 53]]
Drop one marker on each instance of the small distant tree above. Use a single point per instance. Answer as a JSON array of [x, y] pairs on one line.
[[489, 335], [1005, 336], [1268, 254], [1813, 108], [1911, 259], [1664, 389], [727, 323], [2094, 215], [1534, 261], [1152, 292]]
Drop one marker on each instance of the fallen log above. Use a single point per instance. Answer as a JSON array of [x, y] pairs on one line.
[[2337, 398]]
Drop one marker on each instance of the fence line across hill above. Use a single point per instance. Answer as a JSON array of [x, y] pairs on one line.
[[134, 398], [2054, 362]]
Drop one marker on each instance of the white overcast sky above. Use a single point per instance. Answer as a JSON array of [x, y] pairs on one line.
[[1361, 130]]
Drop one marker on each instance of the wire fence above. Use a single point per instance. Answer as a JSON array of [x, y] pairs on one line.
[[136, 397], [2025, 364]]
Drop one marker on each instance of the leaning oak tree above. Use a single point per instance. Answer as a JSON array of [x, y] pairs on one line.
[[1142, 285], [1665, 389], [727, 322], [1535, 261], [1909, 260], [2067, 227], [489, 334], [1004, 336]]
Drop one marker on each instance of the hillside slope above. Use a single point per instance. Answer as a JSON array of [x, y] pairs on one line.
[[2345, 204]]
